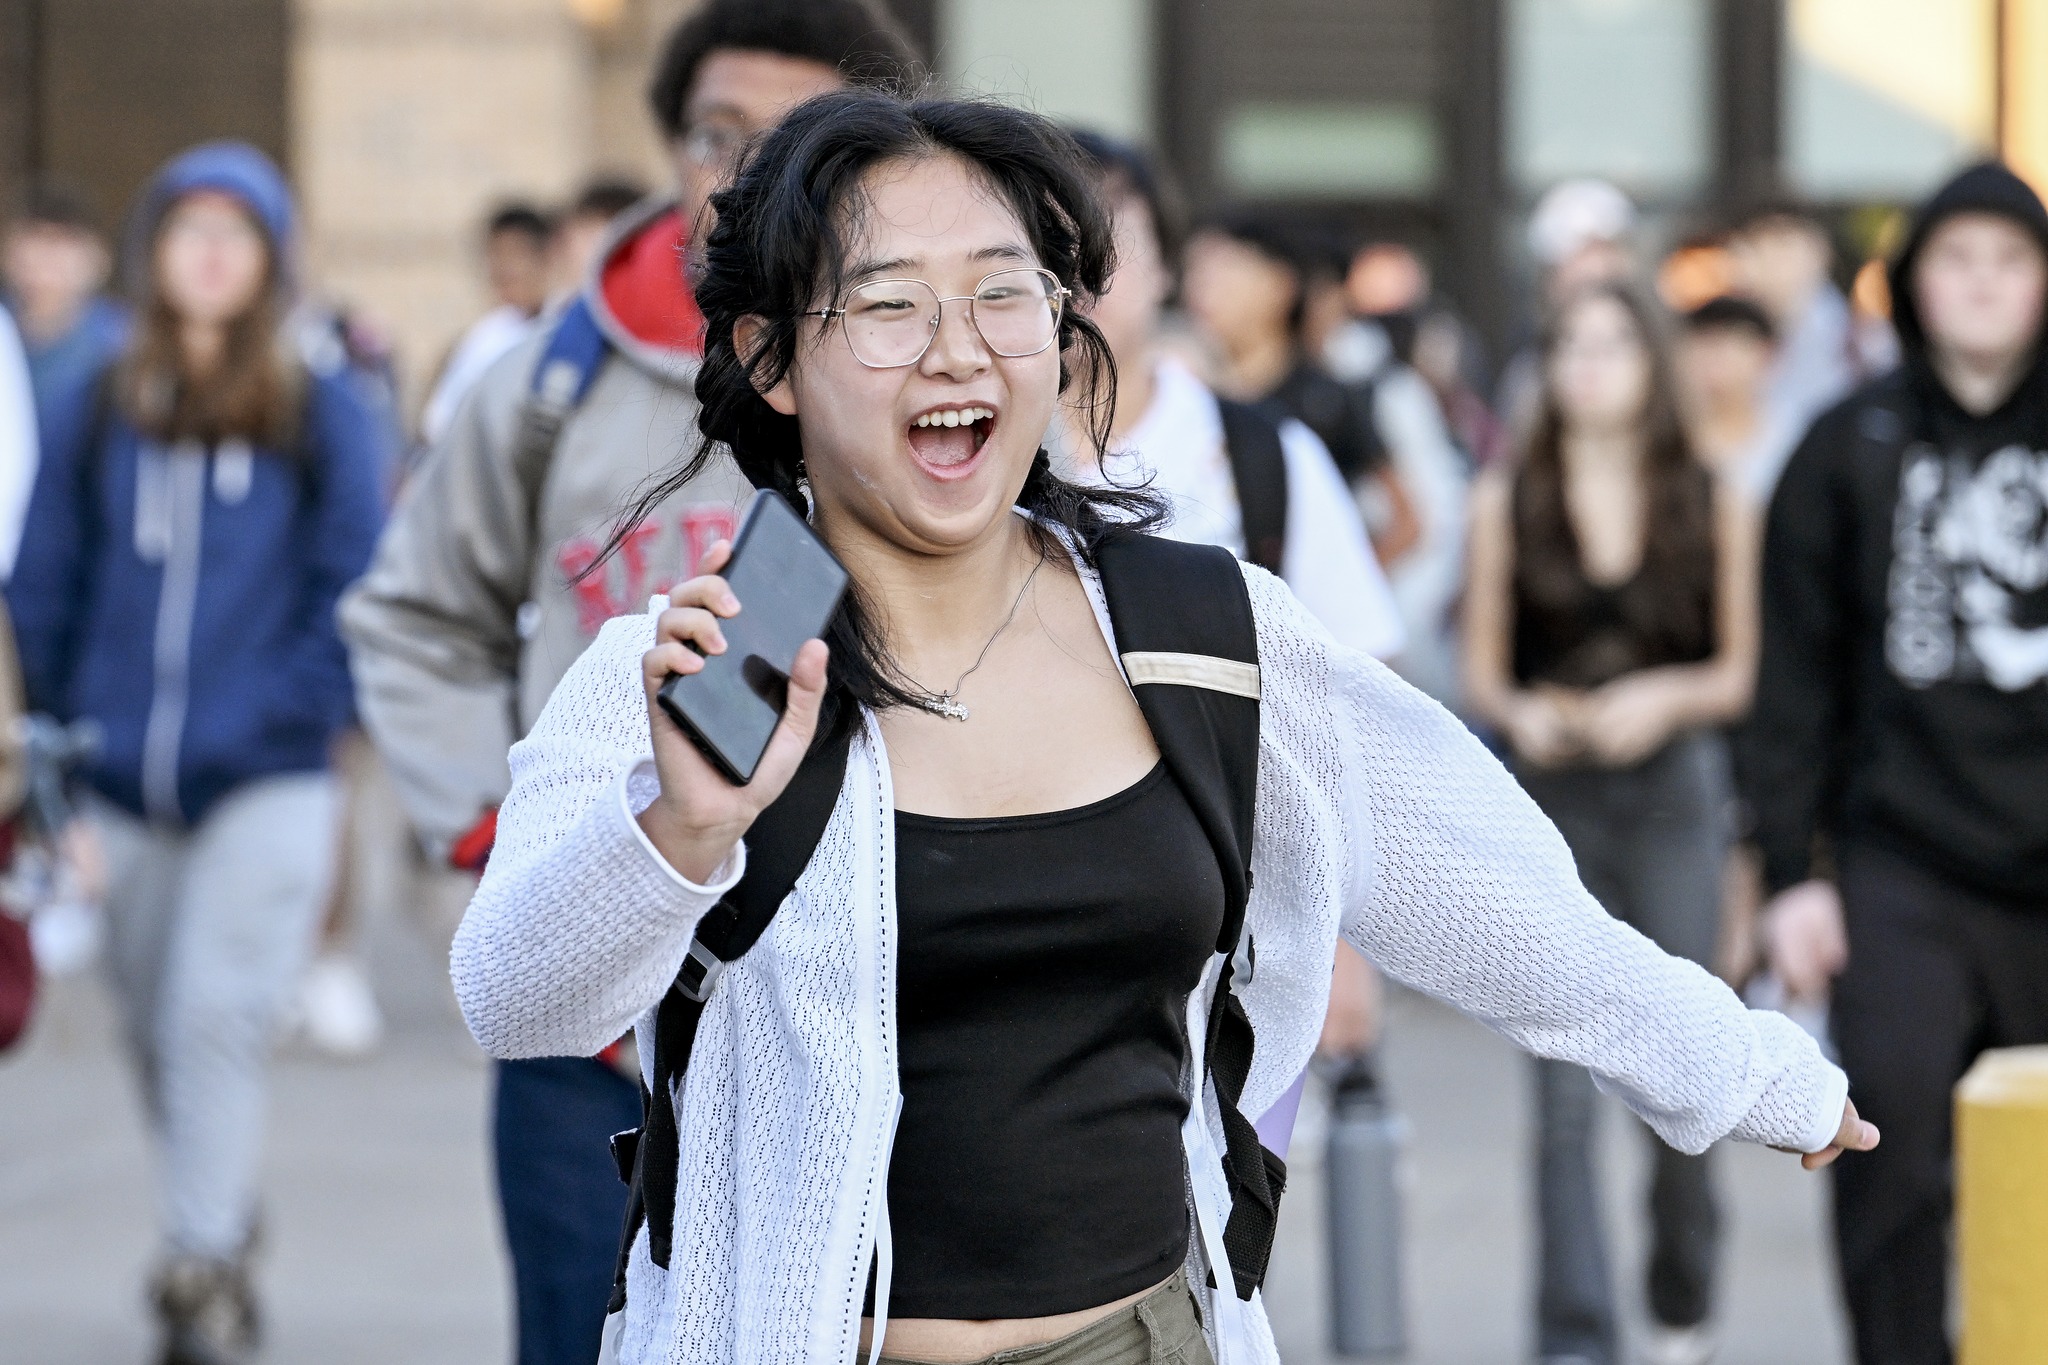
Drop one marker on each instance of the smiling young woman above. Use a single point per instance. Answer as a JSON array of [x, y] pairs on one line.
[[969, 1054]]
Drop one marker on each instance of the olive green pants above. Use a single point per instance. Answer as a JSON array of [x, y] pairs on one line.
[[1160, 1329]]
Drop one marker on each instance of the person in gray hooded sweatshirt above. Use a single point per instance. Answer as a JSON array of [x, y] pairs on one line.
[[479, 600], [1897, 757]]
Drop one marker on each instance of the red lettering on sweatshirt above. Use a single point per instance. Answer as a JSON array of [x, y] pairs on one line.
[[593, 597], [636, 573], [633, 559], [704, 527]]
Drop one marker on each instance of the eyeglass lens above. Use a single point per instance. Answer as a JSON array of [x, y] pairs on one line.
[[891, 322], [716, 145]]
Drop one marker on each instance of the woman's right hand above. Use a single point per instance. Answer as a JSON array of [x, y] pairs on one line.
[[1540, 730], [700, 815]]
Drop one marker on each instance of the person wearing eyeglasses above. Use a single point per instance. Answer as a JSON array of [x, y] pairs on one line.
[[477, 601], [971, 1095]]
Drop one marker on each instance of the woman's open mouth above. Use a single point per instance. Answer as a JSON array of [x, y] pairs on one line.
[[946, 441]]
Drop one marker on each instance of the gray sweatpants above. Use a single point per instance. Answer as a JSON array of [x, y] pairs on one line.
[[208, 931], [1651, 843]]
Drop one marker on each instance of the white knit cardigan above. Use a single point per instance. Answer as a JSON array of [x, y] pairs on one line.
[[1379, 816]]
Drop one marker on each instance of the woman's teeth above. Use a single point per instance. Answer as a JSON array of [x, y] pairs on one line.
[[955, 417]]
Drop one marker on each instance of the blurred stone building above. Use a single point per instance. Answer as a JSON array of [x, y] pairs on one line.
[[1440, 121], [401, 121], [1435, 121]]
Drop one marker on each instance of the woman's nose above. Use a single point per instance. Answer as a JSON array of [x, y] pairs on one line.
[[957, 349]]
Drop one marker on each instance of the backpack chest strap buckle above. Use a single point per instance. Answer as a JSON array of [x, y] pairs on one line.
[[700, 972]]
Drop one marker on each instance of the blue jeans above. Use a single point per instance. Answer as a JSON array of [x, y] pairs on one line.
[[561, 1198]]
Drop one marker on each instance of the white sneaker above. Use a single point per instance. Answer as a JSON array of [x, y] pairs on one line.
[[337, 1009], [1664, 1345]]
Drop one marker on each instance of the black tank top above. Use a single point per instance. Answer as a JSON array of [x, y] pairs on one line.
[[1043, 976], [1573, 632]]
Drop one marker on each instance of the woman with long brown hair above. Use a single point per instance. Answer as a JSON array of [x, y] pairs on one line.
[[193, 523], [1610, 629]]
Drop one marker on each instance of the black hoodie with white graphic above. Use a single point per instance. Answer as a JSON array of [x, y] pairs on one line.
[[1903, 694]]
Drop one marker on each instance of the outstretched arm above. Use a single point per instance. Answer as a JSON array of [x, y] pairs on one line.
[[1462, 889]]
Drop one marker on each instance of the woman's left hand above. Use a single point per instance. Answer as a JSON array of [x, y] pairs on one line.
[[1626, 721], [1855, 1135], [700, 815]]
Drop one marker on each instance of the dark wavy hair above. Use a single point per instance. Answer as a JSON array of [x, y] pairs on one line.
[[858, 38], [1671, 597], [779, 248]]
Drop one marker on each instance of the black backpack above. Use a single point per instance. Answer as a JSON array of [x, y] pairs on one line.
[[1258, 466], [1183, 622]]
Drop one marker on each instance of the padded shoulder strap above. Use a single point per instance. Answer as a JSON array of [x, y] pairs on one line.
[[779, 847], [1190, 647], [1184, 626], [568, 366], [1258, 465]]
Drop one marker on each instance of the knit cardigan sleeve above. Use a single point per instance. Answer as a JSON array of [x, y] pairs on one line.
[[579, 925], [1457, 885]]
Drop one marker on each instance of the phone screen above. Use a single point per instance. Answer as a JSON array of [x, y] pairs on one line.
[[788, 585]]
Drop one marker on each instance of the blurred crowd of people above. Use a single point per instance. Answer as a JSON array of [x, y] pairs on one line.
[[1748, 584]]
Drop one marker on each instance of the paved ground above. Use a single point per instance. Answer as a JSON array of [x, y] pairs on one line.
[[1467, 1097], [383, 1242]]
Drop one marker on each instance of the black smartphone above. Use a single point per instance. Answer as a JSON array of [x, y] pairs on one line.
[[788, 585]]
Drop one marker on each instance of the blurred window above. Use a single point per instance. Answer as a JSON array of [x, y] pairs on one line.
[[1618, 89], [2025, 129], [1086, 62], [1884, 97], [1329, 149]]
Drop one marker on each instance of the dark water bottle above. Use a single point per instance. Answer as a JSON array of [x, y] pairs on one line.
[[1361, 1171]]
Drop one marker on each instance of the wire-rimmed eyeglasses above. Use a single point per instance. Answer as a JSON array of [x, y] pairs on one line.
[[891, 323]]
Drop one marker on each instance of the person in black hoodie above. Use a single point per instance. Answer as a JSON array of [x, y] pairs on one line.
[[1897, 758]]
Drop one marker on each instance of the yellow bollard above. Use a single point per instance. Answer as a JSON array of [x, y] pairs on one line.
[[2002, 1207]]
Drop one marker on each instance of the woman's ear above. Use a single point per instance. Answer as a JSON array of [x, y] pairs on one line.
[[747, 339]]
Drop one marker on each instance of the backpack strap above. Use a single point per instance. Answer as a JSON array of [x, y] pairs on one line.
[[1258, 466], [1189, 646], [562, 377], [779, 847]]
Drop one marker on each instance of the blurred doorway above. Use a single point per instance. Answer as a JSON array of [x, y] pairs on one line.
[[99, 92]]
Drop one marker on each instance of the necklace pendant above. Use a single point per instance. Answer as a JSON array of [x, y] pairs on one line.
[[950, 709]]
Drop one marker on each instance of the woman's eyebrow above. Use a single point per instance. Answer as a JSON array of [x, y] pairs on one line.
[[862, 269], [865, 269]]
